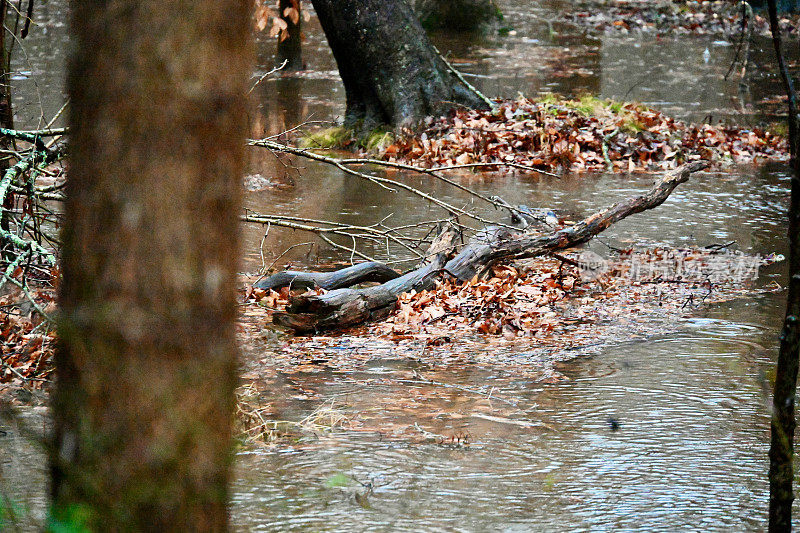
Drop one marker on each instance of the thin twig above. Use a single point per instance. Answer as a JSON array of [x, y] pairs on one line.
[[263, 76], [469, 86], [292, 247], [385, 183]]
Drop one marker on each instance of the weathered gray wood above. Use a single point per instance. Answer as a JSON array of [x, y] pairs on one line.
[[474, 259], [346, 277], [345, 307]]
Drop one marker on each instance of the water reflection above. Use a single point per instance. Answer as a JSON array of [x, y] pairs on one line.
[[690, 448], [690, 451]]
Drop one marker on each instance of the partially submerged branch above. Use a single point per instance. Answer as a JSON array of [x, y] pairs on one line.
[[348, 307]]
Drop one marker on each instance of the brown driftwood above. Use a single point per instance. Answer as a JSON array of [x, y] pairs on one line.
[[348, 307]]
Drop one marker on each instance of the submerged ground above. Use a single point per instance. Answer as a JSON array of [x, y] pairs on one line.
[[661, 428]]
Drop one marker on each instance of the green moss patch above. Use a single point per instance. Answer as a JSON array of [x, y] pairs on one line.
[[329, 138], [340, 137]]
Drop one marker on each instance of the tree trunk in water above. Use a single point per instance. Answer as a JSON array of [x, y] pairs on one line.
[[146, 367], [6, 121], [781, 452], [460, 15], [290, 39], [391, 72]]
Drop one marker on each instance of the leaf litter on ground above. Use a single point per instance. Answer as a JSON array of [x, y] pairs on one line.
[[522, 320], [424, 363], [26, 342], [580, 135]]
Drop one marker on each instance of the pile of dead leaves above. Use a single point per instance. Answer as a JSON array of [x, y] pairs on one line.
[[587, 134], [551, 301], [26, 348], [717, 17], [563, 302], [520, 321], [511, 302]]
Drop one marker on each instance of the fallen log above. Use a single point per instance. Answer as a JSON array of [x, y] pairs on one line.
[[348, 307], [345, 307], [370, 271]]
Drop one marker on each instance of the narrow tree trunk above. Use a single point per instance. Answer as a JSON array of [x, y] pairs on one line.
[[458, 15], [6, 111], [6, 121], [290, 39], [391, 72], [781, 452], [146, 368]]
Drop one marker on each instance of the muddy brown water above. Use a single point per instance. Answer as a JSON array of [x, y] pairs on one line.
[[668, 432]]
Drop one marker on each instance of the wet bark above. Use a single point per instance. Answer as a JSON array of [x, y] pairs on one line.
[[6, 121], [349, 307], [782, 426], [6, 111], [290, 43], [458, 15], [346, 277], [146, 366], [391, 72]]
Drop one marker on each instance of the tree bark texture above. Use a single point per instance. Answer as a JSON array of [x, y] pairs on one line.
[[458, 15], [290, 48], [346, 277], [391, 72], [6, 121], [782, 426], [6, 111], [146, 367]]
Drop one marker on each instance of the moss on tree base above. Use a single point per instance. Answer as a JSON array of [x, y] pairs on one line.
[[341, 137]]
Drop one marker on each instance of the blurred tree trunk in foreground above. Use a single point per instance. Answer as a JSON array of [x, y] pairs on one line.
[[781, 452], [458, 15], [290, 39], [391, 72], [146, 368]]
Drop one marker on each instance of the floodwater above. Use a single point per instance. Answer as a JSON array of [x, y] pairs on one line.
[[665, 433]]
